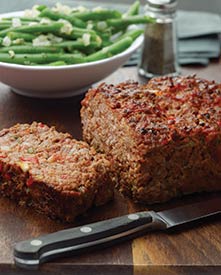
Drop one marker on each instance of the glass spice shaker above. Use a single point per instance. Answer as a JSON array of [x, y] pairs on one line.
[[159, 54]]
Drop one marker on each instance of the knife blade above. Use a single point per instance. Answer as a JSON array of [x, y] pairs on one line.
[[29, 254]]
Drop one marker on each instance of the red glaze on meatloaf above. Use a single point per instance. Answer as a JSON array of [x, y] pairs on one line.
[[51, 172], [165, 136]]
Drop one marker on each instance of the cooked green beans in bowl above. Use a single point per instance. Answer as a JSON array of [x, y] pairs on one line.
[[62, 35], [60, 51]]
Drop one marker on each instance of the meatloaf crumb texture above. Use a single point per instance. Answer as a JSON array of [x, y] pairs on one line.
[[164, 136], [52, 172]]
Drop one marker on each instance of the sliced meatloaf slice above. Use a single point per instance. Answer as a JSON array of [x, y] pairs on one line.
[[164, 137], [51, 172]]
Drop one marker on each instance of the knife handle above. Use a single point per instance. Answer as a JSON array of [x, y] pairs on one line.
[[30, 253]]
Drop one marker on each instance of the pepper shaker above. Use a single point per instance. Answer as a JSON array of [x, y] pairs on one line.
[[159, 53]]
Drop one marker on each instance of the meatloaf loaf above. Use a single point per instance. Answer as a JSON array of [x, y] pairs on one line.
[[51, 172], [164, 136]]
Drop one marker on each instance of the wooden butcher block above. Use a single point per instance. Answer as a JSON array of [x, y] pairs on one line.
[[194, 249]]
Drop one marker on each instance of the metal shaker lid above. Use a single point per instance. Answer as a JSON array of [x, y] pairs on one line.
[[167, 6]]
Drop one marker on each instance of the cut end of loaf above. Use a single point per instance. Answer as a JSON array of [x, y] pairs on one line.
[[52, 172]]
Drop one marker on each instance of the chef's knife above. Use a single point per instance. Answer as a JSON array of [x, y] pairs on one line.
[[30, 253]]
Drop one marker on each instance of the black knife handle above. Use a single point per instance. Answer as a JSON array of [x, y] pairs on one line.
[[30, 253]]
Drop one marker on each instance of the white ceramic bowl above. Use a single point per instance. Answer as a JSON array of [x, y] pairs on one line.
[[61, 81]]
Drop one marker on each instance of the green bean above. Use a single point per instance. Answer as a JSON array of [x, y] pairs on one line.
[[29, 59], [76, 45], [9, 24], [5, 19], [30, 49], [104, 35], [133, 9], [41, 7], [30, 19], [119, 46], [126, 21], [18, 35], [100, 14], [5, 25], [43, 28], [57, 15], [57, 63], [111, 50], [132, 33], [23, 19], [106, 39], [78, 33]]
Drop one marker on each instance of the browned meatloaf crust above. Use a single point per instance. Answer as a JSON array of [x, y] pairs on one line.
[[51, 172], [165, 136]]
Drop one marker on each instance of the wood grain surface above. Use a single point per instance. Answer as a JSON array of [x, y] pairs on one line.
[[192, 250]]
